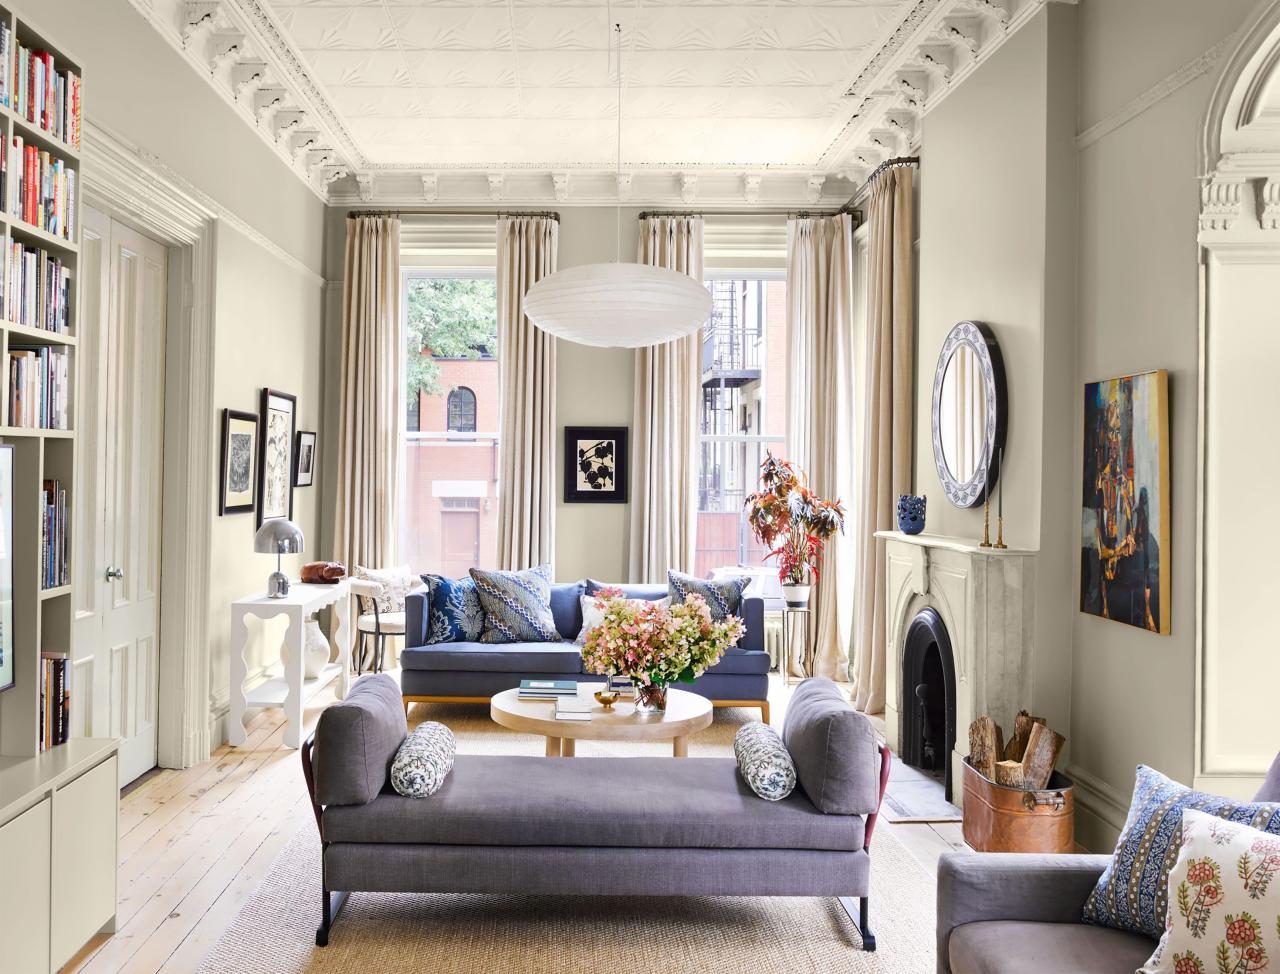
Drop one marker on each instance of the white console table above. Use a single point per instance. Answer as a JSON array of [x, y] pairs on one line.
[[291, 691]]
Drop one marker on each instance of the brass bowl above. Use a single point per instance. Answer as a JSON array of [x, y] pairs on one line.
[[607, 698]]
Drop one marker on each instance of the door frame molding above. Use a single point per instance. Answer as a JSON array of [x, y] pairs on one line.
[[126, 182]]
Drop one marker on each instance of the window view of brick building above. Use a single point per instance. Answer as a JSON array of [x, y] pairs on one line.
[[744, 412], [449, 513]]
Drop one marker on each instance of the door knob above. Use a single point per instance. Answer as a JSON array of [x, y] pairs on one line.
[[115, 574]]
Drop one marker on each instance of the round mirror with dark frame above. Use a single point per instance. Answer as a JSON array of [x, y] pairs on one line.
[[969, 413]]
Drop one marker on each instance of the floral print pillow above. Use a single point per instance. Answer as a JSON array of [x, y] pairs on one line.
[[1224, 901]]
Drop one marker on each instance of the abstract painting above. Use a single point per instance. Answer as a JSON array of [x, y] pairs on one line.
[[1124, 541], [275, 455], [239, 447], [595, 467]]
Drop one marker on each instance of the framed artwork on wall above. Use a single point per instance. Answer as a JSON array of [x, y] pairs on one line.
[[239, 456], [305, 475], [278, 419], [596, 464], [6, 568], [1125, 544]]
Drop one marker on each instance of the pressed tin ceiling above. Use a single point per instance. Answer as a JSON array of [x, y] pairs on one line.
[[765, 102], [502, 83]]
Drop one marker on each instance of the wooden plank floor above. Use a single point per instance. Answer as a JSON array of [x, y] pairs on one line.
[[194, 845]]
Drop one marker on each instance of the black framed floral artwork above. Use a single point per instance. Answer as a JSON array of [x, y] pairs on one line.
[[239, 454], [596, 464], [277, 425]]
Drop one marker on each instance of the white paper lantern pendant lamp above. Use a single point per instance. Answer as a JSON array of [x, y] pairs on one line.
[[618, 305]]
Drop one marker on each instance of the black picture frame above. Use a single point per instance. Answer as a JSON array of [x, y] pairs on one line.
[[304, 450], [228, 500], [275, 473], [583, 487]]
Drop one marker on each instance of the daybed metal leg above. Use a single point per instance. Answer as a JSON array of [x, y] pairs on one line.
[[861, 921], [329, 909]]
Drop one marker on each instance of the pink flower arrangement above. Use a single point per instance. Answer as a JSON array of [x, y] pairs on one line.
[[654, 644]]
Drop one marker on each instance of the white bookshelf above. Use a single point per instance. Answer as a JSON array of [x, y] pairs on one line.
[[59, 807]]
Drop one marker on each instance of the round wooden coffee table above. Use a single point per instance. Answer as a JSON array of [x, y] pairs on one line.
[[687, 713]]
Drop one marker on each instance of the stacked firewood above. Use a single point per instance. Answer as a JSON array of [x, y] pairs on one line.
[[1026, 761]]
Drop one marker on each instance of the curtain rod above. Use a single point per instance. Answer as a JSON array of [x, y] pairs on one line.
[[887, 164], [645, 214], [548, 214]]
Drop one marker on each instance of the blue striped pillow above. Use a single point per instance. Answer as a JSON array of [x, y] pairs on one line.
[[723, 595], [517, 606]]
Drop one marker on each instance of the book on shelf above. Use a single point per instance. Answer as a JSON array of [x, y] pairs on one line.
[[38, 383], [40, 92], [40, 189], [571, 708], [37, 288], [55, 700], [53, 535]]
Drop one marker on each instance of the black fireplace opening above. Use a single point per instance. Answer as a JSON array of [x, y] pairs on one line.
[[929, 698]]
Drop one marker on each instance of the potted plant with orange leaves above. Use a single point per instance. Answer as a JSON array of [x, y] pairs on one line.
[[794, 524]]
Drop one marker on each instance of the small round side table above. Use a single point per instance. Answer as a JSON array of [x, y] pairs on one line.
[[788, 619]]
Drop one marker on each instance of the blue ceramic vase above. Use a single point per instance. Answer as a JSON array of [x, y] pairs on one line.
[[911, 513]]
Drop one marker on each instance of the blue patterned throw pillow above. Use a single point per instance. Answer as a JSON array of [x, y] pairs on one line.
[[456, 614], [423, 761], [723, 595], [1133, 893], [517, 606], [764, 761]]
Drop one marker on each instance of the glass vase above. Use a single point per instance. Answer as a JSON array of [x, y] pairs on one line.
[[651, 698]]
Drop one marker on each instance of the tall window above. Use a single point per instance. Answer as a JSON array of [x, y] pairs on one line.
[[462, 410], [744, 411], [449, 504]]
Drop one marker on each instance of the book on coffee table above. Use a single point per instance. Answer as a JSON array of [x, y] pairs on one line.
[[573, 709], [547, 689]]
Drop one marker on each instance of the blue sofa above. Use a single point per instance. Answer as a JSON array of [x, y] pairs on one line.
[[474, 672]]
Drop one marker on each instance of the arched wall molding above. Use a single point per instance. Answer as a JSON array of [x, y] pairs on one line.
[[1239, 238]]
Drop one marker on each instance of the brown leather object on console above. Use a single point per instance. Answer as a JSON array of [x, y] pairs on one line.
[[323, 572]]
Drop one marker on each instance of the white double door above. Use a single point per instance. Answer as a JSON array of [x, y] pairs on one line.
[[123, 281]]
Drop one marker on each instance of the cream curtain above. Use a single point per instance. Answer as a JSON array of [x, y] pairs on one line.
[[372, 397], [820, 417], [527, 374], [885, 467], [664, 497]]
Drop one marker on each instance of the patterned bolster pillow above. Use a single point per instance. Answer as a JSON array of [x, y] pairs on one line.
[[763, 761], [423, 761]]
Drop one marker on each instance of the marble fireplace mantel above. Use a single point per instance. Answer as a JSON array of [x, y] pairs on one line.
[[986, 599]]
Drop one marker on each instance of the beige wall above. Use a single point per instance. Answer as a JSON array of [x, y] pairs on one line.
[[1133, 693], [267, 310]]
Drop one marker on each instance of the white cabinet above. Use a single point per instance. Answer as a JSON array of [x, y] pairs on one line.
[[24, 891], [84, 859]]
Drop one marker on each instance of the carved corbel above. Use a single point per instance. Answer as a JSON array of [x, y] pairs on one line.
[[996, 11], [285, 120], [245, 74], [813, 186], [496, 181], [364, 186], [560, 186], [623, 181], [331, 174], [1270, 204], [430, 186], [317, 158], [198, 18], [963, 38], [751, 187], [265, 101], [688, 187], [303, 141], [1221, 203], [223, 46], [935, 66]]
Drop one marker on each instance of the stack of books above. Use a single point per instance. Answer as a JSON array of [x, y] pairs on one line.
[[37, 289], [55, 699], [38, 387], [40, 93], [40, 189], [571, 708], [547, 689], [53, 536]]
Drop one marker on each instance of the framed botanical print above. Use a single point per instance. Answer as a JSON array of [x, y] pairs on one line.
[[6, 568], [239, 455], [305, 474], [278, 418], [596, 464]]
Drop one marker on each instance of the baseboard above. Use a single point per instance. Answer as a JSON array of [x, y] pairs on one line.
[[1100, 810]]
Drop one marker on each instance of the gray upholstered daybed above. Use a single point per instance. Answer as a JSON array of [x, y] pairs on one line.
[[595, 826]]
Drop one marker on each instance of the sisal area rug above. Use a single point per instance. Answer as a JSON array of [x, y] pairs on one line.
[[468, 934]]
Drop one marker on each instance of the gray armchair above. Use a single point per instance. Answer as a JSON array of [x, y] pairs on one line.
[[1011, 913]]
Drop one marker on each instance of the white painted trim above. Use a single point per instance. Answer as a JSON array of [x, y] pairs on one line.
[[1157, 93], [124, 182]]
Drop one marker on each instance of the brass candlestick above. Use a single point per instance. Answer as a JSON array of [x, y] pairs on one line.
[[1000, 533], [986, 524]]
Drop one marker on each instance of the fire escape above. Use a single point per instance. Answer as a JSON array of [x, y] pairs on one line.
[[733, 343]]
